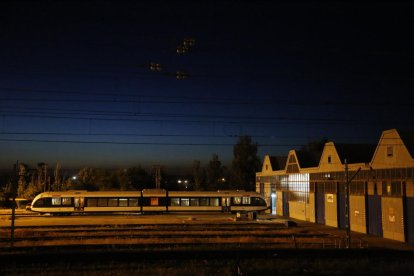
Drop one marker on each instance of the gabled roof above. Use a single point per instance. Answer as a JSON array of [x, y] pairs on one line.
[[355, 153], [278, 162], [408, 139]]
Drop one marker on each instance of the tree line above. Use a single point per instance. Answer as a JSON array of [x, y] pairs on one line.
[[30, 181]]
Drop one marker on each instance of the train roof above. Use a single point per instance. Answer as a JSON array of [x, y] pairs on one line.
[[90, 193], [146, 193], [211, 193]]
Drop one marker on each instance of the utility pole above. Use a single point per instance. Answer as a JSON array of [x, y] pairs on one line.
[[14, 191], [347, 204], [348, 221], [157, 174], [45, 175]]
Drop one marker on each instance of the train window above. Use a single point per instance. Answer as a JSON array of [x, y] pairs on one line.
[[41, 202], [246, 200], [67, 201], [92, 202], [214, 201], [56, 201], [133, 202], [237, 200], [193, 201], [123, 202], [185, 202], [204, 201], [112, 202], [154, 201], [175, 201], [102, 202]]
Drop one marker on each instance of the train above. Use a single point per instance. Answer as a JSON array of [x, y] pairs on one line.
[[147, 201]]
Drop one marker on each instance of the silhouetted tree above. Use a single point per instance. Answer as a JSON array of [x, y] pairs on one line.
[[245, 163], [87, 178], [57, 183], [41, 176], [197, 174], [22, 179], [138, 178], [214, 173]]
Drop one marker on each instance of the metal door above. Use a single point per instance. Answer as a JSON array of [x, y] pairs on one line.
[[320, 203], [374, 213], [285, 199], [409, 221]]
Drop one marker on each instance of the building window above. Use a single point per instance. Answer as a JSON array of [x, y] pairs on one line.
[[392, 188], [262, 188], [329, 159], [390, 151], [267, 167]]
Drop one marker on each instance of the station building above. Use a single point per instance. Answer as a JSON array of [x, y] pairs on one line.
[[312, 186]]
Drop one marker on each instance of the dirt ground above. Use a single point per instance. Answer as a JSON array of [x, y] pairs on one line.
[[28, 219]]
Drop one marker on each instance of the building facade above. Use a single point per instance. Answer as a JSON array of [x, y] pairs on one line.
[[379, 180]]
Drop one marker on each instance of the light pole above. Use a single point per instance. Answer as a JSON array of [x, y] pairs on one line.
[[347, 204]]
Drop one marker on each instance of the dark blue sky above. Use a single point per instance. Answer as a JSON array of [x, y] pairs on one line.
[[75, 83]]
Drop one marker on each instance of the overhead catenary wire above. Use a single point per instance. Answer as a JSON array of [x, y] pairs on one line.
[[137, 143], [255, 122]]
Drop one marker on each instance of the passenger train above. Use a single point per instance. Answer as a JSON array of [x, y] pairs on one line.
[[149, 200]]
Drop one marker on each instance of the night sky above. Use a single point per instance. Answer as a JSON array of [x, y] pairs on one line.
[[76, 84]]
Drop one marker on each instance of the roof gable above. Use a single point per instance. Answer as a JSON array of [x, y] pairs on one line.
[[273, 163], [392, 152]]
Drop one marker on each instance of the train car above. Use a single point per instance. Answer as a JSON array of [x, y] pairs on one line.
[[149, 200], [83, 201], [154, 200], [218, 201]]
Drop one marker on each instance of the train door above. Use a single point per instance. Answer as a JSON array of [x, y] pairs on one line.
[[79, 204], [225, 204]]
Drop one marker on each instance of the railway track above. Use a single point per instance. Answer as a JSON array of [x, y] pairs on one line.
[[173, 236]]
